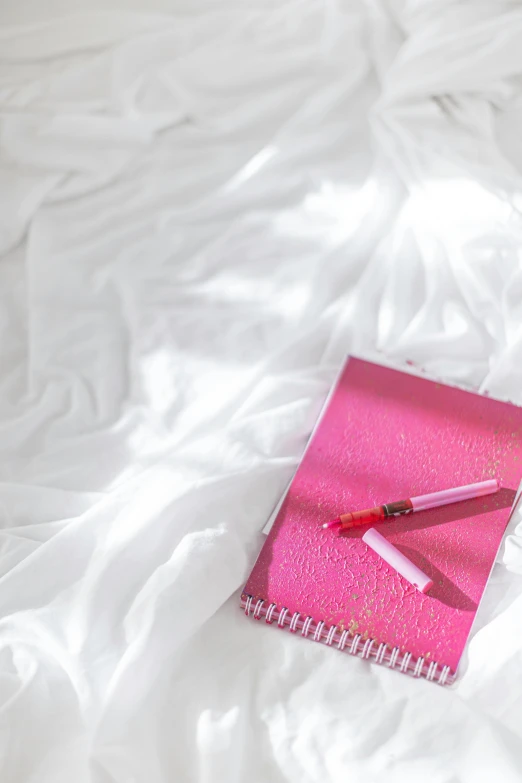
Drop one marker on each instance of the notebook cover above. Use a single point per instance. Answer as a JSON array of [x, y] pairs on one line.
[[386, 435]]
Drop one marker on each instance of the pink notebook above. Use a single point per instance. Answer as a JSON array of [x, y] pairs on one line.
[[386, 435]]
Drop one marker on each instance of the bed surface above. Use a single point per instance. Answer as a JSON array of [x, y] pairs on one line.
[[204, 208]]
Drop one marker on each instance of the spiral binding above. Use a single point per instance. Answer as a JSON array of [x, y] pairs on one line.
[[345, 641]]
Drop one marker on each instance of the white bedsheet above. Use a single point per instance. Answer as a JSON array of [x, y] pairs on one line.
[[204, 207]]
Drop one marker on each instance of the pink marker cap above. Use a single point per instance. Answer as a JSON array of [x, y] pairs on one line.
[[397, 560]]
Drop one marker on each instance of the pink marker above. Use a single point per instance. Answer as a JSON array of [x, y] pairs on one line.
[[397, 560], [420, 503]]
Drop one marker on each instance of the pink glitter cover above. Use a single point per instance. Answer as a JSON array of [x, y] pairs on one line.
[[388, 435]]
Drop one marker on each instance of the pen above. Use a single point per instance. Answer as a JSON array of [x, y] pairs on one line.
[[420, 503]]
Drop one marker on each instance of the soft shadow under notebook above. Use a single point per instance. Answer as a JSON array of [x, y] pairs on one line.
[[386, 435]]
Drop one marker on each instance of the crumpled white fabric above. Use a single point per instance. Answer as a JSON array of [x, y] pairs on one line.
[[203, 208]]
